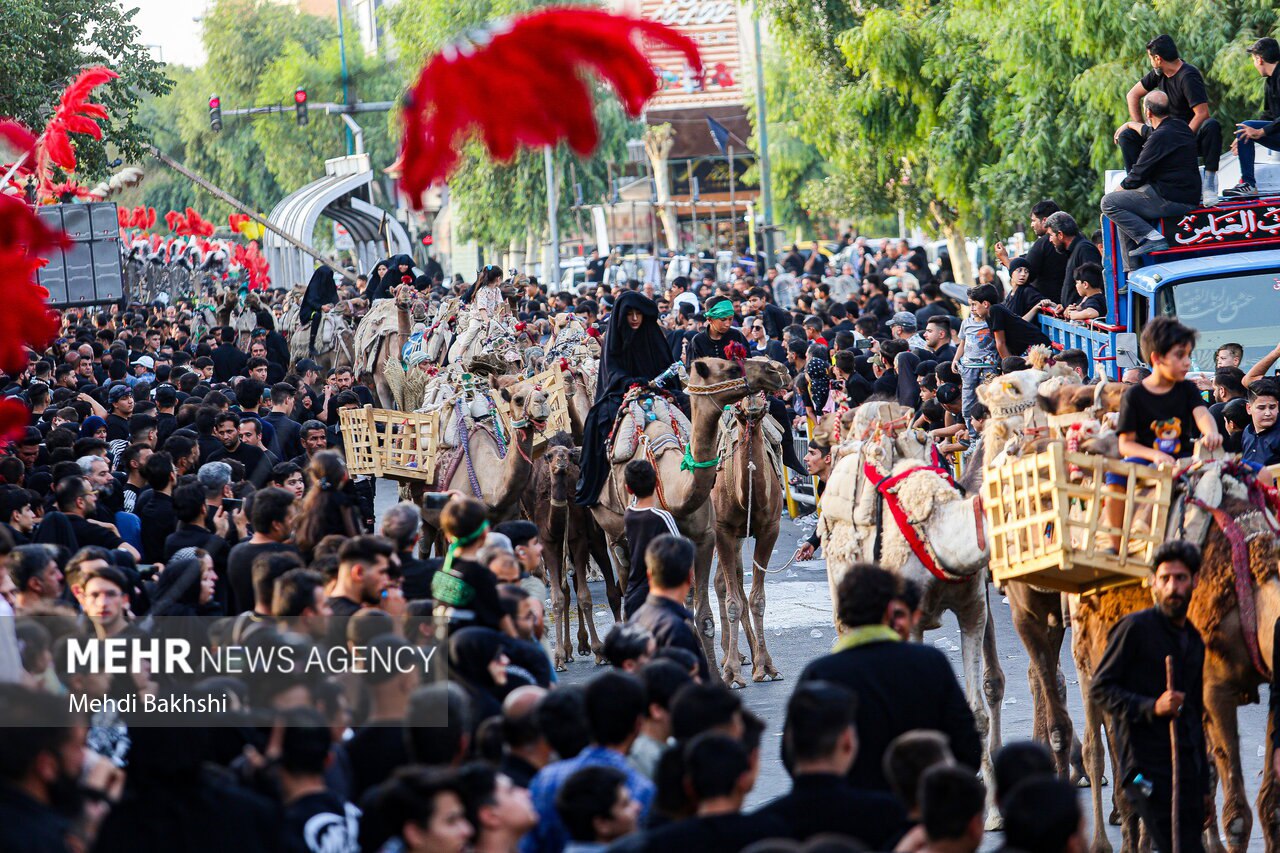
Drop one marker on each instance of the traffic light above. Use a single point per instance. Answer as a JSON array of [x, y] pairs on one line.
[[300, 105], [427, 239], [215, 113]]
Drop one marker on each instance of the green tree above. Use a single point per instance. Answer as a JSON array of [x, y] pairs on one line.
[[46, 43]]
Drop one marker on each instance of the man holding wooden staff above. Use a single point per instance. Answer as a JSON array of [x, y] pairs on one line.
[[1150, 681]]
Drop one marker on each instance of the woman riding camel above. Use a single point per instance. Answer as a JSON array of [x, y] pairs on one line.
[[486, 292], [321, 292], [635, 353]]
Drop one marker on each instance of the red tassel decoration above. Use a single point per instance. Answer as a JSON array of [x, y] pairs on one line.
[[524, 83]]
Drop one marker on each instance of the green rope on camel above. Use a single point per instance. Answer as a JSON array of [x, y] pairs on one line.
[[688, 464]]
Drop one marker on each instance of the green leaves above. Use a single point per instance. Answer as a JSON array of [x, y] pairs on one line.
[[985, 107], [46, 43]]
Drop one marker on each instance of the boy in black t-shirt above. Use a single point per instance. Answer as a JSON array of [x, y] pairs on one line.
[[1013, 334], [643, 521], [1160, 415], [1093, 304]]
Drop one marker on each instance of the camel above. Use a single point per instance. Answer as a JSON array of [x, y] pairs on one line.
[[747, 497], [858, 527], [478, 463], [335, 344], [570, 538], [685, 480], [1230, 674], [242, 318], [381, 335]]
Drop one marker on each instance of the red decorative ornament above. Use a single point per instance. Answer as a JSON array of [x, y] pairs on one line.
[[406, 279], [26, 321], [14, 418], [735, 351], [564, 364], [524, 83], [593, 332], [520, 327]]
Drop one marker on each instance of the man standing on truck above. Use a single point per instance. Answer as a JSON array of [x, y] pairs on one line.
[[1164, 182], [1264, 132], [1184, 86]]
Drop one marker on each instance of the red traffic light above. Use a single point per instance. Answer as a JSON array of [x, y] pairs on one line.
[[214, 103], [427, 239], [300, 96]]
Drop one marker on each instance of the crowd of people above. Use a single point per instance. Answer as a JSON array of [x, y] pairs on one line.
[[181, 481]]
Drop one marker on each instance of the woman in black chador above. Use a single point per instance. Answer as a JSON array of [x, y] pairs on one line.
[[321, 291], [635, 353]]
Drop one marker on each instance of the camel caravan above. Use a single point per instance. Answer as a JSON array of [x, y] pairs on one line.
[[473, 401], [1029, 513]]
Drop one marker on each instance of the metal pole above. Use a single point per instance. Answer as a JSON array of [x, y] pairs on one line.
[[342, 54], [693, 207], [553, 215], [353, 128], [1175, 840], [223, 195], [762, 133], [733, 207]]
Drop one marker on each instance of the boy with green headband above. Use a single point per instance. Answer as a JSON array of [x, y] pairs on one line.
[[713, 343], [466, 592]]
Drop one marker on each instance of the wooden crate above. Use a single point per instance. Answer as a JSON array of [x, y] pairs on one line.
[[405, 445], [1043, 527]]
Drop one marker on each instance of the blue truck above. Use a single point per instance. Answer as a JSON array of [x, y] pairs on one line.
[[1220, 275]]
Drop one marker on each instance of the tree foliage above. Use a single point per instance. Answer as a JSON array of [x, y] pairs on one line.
[[502, 202], [964, 112], [46, 43], [259, 52]]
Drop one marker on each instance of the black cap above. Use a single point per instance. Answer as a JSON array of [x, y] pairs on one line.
[[31, 435]]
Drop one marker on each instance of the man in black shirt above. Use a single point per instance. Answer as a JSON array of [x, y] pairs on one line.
[[257, 465], [1066, 239], [363, 566], [155, 506], [120, 398], [76, 500], [1264, 131], [1182, 84], [1164, 182], [228, 359], [1131, 685], [1046, 266], [669, 560], [272, 515], [315, 819], [822, 745], [643, 522]]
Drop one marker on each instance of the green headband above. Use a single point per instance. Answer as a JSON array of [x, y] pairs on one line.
[[722, 310], [462, 541]]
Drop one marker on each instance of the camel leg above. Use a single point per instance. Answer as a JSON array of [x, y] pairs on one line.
[[1223, 734], [599, 550], [762, 668], [733, 603], [588, 640], [582, 556], [703, 621], [1093, 752], [973, 626], [1041, 636], [992, 676], [559, 588], [1269, 793]]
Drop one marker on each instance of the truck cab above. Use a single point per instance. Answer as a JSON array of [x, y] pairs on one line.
[[1220, 275]]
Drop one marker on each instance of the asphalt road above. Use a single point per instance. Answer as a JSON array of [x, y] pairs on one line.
[[798, 629]]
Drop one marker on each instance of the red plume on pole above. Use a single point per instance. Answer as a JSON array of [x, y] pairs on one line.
[[524, 83]]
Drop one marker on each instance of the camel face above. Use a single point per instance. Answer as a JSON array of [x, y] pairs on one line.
[[1008, 392], [733, 380], [528, 403], [1069, 399], [558, 459]]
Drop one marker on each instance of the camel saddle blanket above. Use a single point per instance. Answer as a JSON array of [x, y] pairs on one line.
[[731, 436], [888, 486], [636, 415], [376, 325]]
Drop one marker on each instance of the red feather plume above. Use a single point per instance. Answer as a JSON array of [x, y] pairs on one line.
[[74, 114], [524, 83], [26, 321], [14, 418]]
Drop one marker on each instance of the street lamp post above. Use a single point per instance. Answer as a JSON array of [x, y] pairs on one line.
[[342, 55]]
